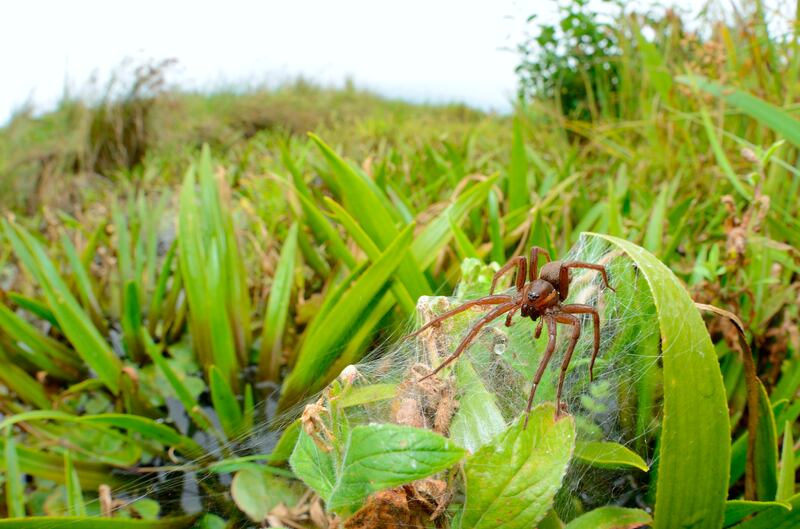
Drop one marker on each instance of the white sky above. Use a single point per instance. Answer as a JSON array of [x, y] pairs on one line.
[[424, 50]]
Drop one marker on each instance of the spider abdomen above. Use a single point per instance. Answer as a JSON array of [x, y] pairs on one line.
[[551, 273]]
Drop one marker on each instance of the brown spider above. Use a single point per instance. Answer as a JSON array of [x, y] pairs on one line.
[[540, 296]]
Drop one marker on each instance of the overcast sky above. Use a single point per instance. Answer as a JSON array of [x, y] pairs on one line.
[[424, 50]]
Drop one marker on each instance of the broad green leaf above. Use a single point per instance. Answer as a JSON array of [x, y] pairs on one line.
[[75, 504], [611, 517], [738, 510], [15, 492], [320, 349], [512, 482], [478, 419], [786, 477], [382, 456], [694, 453], [773, 117], [225, 404], [257, 491], [777, 517], [313, 465], [606, 454], [766, 449], [278, 307], [96, 522]]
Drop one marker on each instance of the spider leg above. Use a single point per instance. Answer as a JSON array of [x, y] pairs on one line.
[[522, 269], [563, 280], [551, 346], [587, 309], [473, 332], [480, 302], [535, 253], [511, 315], [576, 333], [538, 331]]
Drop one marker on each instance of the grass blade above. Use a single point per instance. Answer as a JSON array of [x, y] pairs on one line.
[[320, 350], [278, 308], [75, 504]]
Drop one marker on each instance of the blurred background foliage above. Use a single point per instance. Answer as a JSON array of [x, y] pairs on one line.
[[177, 268]]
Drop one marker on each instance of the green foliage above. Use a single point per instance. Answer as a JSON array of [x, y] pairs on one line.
[[140, 317]]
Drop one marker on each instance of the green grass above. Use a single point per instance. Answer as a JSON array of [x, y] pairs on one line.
[[239, 259]]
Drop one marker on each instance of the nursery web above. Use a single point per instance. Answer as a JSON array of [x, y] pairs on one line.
[[622, 404]]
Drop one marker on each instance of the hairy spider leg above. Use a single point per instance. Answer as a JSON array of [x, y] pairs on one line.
[[551, 346], [487, 300], [473, 332], [522, 270], [563, 280], [568, 319], [536, 251], [588, 309]]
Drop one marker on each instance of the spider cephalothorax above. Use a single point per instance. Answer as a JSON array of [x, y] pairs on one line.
[[538, 297]]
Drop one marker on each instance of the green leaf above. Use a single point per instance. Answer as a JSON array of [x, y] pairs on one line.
[[149, 429], [15, 493], [518, 193], [399, 289], [611, 517], [256, 491], [95, 522], [738, 510], [224, 400], [777, 517], [722, 158], [478, 419], [313, 465], [498, 252], [694, 454], [321, 348], [20, 382], [511, 482], [766, 449], [369, 205], [40, 350], [606, 454], [770, 115], [75, 504], [51, 466], [74, 322], [278, 307], [787, 472], [381, 456], [181, 390], [436, 234], [655, 227]]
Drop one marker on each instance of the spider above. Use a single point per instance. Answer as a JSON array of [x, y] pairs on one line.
[[540, 296]]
